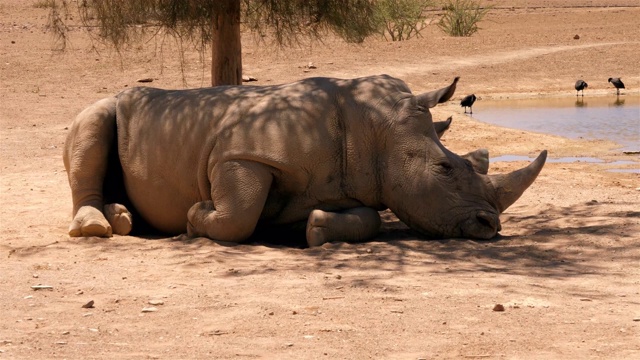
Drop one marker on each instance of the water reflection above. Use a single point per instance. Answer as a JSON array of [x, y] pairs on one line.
[[618, 102], [580, 102]]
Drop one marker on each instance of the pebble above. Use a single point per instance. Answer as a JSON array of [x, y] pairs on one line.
[[156, 302], [498, 307], [149, 309], [42, 287], [88, 305], [636, 319]]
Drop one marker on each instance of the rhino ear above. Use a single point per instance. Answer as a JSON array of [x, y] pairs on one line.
[[431, 99]]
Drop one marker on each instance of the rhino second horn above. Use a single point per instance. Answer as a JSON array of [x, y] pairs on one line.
[[509, 187]]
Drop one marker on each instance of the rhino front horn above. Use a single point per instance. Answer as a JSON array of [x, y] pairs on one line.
[[509, 187]]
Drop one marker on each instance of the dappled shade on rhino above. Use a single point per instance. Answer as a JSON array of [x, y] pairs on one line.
[[322, 153]]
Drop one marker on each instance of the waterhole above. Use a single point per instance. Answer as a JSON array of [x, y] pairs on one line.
[[615, 118]]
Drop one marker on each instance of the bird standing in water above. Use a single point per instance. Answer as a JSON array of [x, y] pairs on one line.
[[580, 86], [468, 101], [617, 83]]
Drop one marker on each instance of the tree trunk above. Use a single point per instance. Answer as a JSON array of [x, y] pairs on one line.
[[226, 59]]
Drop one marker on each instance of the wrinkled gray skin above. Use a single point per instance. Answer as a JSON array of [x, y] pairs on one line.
[[479, 159], [216, 162]]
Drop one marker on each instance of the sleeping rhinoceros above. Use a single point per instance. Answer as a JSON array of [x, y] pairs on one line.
[[328, 153]]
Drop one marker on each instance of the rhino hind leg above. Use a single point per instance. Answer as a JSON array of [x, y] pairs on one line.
[[89, 151], [357, 224]]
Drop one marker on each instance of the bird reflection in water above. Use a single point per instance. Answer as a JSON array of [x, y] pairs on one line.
[[618, 102], [580, 102]]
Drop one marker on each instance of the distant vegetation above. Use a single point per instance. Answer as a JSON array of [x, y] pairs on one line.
[[401, 19], [44, 4], [461, 17]]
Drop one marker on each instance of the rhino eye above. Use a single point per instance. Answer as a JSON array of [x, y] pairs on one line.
[[445, 167]]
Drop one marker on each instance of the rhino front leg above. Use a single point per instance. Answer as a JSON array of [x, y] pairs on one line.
[[239, 190], [355, 224]]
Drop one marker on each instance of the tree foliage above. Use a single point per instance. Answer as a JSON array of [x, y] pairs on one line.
[[121, 22], [216, 24]]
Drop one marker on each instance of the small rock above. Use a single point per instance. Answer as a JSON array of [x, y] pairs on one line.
[[93, 330], [42, 287], [247, 78], [577, 37], [66, 332], [369, 251], [79, 292], [338, 277], [61, 342], [636, 319], [156, 302], [145, 80], [271, 313], [88, 305], [29, 297], [498, 307], [13, 41], [288, 344], [149, 309], [35, 276], [310, 65]]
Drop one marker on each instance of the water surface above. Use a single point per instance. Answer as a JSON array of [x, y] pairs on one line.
[[615, 118]]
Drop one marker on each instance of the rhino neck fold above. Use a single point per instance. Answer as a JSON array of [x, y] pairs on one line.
[[361, 168]]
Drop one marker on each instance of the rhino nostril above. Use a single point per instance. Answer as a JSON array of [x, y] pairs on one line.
[[488, 220]]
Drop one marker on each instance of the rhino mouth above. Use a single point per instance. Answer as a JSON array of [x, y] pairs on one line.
[[486, 225], [482, 225]]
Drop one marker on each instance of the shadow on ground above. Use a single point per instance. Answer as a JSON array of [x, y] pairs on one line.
[[553, 241]]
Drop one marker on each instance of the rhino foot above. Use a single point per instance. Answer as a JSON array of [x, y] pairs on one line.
[[89, 221], [119, 218], [354, 224], [316, 228]]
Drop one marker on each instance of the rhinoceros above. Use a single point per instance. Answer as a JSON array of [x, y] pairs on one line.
[[326, 153]]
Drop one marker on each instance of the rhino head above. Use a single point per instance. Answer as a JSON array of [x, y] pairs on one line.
[[435, 191]]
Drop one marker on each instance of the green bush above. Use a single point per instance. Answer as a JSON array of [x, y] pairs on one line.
[[401, 19], [461, 17]]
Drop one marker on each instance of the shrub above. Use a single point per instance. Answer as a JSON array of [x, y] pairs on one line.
[[461, 17], [44, 4], [401, 19]]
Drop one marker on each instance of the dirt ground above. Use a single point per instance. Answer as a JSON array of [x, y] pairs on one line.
[[566, 266]]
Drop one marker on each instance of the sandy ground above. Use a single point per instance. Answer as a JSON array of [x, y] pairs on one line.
[[566, 266]]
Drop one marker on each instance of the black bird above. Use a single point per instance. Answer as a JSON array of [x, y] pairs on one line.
[[617, 83], [468, 102], [580, 86]]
